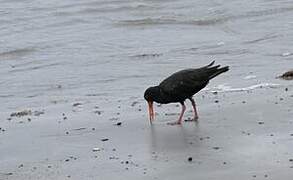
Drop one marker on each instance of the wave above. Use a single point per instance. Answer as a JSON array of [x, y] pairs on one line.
[[224, 88], [208, 21], [16, 53], [162, 21]]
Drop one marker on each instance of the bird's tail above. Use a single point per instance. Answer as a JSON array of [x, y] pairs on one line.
[[214, 71]]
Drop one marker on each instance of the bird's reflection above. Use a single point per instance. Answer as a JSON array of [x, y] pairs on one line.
[[166, 138]]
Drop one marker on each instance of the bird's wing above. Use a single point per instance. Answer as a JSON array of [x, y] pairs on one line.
[[188, 81]]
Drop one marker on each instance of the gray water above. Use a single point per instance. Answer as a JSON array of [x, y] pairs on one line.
[[109, 48]]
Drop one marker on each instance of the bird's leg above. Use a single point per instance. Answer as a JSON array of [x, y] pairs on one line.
[[194, 109], [181, 115]]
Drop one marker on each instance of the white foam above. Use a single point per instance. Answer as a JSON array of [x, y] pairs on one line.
[[286, 54], [249, 77], [225, 88]]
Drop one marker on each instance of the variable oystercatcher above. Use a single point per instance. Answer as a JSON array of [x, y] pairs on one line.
[[180, 86]]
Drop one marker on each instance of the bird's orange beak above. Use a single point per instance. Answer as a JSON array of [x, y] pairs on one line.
[[151, 111]]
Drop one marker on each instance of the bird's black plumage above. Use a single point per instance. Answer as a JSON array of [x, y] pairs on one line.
[[183, 84]]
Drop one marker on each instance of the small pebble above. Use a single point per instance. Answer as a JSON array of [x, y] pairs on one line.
[[291, 160], [119, 124], [216, 148], [265, 175], [93, 129], [286, 89], [67, 132], [96, 149], [190, 159], [216, 101], [66, 160], [105, 139], [261, 122]]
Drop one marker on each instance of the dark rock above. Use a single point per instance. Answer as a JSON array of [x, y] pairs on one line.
[[119, 124], [21, 113], [216, 148], [76, 104], [134, 103], [8, 174], [189, 159], [38, 113], [287, 75], [104, 139]]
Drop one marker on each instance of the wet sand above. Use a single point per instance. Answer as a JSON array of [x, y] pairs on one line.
[[247, 134]]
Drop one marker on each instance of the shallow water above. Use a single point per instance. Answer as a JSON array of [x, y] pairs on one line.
[[117, 46]]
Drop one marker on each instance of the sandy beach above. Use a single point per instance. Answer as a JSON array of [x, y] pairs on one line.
[[73, 75], [237, 133]]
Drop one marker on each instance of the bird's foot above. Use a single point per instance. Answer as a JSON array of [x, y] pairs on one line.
[[174, 123]]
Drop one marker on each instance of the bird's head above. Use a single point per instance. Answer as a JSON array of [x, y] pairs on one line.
[[150, 95]]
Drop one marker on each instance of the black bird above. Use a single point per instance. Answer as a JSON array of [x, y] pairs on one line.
[[180, 86]]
